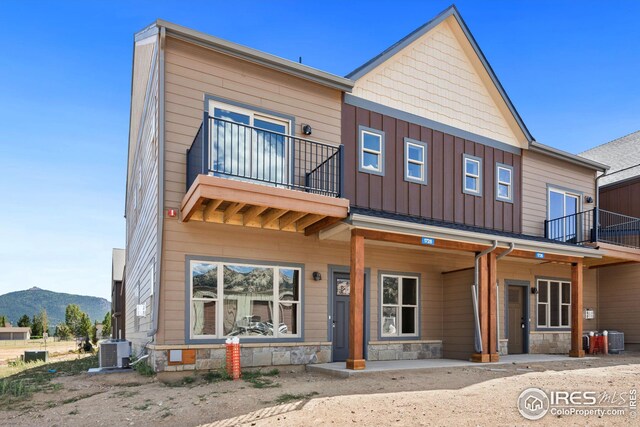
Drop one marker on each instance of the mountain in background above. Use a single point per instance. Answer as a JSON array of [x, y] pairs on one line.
[[30, 302]]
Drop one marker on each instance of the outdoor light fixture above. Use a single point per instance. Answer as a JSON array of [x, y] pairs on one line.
[[534, 291], [172, 213], [317, 276], [306, 129], [588, 199]]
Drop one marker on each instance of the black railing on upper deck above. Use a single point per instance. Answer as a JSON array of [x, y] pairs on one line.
[[595, 225], [238, 151]]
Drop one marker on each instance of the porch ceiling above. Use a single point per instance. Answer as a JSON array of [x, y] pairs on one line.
[[614, 255], [227, 201]]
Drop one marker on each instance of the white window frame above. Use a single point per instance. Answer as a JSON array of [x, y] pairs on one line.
[[509, 184], [466, 158], [400, 305], [362, 130], [219, 300], [565, 193], [408, 142], [561, 283]]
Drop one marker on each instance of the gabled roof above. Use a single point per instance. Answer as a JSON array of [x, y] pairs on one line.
[[252, 55], [622, 154], [413, 36]]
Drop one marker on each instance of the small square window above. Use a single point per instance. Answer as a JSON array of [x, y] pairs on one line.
[[371, 151], [504, 182], [472, 175], [415, 161]]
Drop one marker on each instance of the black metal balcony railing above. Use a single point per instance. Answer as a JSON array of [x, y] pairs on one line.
[[580, 228], [234, 150]]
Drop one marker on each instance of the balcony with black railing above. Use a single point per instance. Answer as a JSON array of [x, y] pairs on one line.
[[593, 226], [252, 176], [237, 151]]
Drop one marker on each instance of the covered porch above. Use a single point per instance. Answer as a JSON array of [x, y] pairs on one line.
[[477, 292], [338, 369]]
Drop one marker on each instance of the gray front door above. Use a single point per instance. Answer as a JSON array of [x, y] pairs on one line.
[[341, 288], [517, 323]]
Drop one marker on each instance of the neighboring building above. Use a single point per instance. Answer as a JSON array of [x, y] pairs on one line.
[[272, 201], [619, 286], [118, 297], [14, 333]]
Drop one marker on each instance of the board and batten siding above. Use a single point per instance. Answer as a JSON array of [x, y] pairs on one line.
[[442, 197], [622, 197], [618, 290], [438, 76], [141, 215], [538, 173], [191, 72]]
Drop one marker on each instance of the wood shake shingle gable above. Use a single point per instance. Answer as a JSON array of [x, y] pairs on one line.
[[439, 72]]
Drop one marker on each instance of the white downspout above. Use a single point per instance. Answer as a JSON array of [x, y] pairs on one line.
[[474, 295]]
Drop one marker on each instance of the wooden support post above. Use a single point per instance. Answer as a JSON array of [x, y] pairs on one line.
[[356, 304], [576, 310], [493, 306], [483, 310]]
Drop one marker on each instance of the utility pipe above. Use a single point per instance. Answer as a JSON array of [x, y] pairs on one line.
[[478, 336], [512, 246]]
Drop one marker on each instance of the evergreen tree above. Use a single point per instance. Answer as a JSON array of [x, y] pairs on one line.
[[72, 318], [3, 321], [24, 321], [106, 325]]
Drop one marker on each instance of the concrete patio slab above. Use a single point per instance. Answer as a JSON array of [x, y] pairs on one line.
[[338, 369]]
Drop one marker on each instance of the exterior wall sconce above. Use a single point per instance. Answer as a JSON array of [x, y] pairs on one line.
[[589, 314], [534, 291], [317, 276], [306, 129], [588, 199]]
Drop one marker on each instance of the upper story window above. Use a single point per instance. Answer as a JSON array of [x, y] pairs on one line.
[[504, 182], [255, 301], [554, 304], [471, 175], [371, 151], [399, 305], [415, 161]]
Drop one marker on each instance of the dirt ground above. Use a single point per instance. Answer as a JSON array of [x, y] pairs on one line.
[[13, 350], [446, 396]]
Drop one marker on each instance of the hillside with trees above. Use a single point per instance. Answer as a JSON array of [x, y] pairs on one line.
[[28, 307]]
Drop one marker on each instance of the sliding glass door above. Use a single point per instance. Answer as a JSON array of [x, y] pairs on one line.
[[249, 145], [563, 207]]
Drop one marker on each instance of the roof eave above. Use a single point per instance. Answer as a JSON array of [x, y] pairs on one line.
[[255, 56], [563, 155]]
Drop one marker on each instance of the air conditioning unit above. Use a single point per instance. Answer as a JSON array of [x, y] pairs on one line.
[[616, 342], [115, 354]]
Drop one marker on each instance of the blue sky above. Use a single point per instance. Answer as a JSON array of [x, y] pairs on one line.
[[571, 69]]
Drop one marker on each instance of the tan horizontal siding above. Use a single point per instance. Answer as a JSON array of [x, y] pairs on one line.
[[142, 220], [227, 241], [457, 341], [539, 171], [193, 71], [529, 272], [618, 292]]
